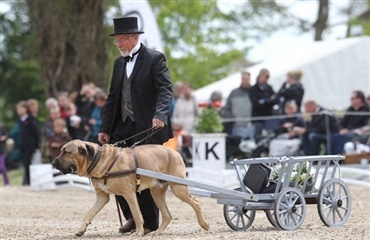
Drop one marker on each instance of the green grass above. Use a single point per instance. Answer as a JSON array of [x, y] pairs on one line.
[[15, 177]]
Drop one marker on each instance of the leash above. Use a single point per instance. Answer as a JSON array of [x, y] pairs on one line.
[[108, 174], [119, 212], [154, 131], [137, 134]]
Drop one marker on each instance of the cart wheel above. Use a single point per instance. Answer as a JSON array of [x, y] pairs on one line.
[[290, 209], [271, 217], [238, 217], [334, 203]]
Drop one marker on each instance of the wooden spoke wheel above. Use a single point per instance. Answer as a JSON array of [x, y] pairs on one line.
[[290, 209], [238, 217], [334, 202]]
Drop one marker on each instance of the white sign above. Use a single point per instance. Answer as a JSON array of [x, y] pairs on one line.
[[42, 177], [209, 151]]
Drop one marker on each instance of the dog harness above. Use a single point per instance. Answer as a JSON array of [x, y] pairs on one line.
[[109, 174]]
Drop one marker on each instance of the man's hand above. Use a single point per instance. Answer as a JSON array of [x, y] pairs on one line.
[[157, 123], [103, 138]]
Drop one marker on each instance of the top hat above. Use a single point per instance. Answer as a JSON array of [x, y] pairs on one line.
[[126, 25]]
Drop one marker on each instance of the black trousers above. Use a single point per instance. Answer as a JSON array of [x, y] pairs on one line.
[[148, 208], [27, 158]]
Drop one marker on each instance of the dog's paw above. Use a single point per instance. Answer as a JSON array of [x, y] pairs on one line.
[[205, 226], [79, 234]]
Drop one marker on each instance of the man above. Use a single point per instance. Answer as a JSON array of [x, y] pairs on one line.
[[139, 98], [263, 99], [186, 110], [321, 129], [356, 115], [29, 138], [239, 105]]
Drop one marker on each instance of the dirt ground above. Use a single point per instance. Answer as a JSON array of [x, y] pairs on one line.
[[27, 214]]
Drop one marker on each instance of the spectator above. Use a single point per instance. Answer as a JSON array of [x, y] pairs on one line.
[[9, 163], [53, 114], [33, 106], [292, 89], [186, 110], [76, 128], [65, 105], [263, 99], [15, 155], [239, 105], [3, 138], [216, 99], [356, 117], [29, 138], [51, 103], [95, 121], [319, 130], [85, 102], [59, 138], [181, 143], [177, 91], [288, 134]]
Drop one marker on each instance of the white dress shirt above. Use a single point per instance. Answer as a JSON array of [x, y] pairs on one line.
[[130, 65]]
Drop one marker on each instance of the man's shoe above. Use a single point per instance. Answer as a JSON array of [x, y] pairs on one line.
[[147, 230], [130, 225]]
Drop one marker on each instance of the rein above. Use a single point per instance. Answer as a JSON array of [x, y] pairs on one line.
[[153, 129]]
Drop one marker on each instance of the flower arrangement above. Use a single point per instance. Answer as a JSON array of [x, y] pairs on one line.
[[278, 169], [209, 120]]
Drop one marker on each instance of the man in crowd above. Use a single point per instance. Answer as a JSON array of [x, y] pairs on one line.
[[239, 105], [319, 130]]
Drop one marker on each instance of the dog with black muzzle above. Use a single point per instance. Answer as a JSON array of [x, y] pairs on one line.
[[90, 160]]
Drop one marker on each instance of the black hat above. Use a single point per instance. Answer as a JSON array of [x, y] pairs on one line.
[[126, 25]]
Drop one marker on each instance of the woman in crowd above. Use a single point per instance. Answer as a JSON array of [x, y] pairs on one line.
[[292, 89]]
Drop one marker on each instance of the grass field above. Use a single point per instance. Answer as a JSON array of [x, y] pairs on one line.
[[15, 177]]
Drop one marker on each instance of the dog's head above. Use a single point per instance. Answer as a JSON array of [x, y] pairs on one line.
[[75, 156]]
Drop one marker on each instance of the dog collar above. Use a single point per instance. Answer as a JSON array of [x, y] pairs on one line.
[[95, 160]]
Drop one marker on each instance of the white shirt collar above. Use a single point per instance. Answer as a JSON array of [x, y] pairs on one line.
[[135, 49]]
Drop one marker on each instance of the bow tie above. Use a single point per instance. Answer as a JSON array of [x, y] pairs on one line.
[[129, 58]]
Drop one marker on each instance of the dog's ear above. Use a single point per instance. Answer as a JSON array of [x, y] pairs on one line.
[[88, 151]]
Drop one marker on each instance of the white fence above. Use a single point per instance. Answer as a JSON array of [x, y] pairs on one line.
[[45, 177]]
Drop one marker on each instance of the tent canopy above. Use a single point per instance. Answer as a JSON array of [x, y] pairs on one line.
[[331, 71]]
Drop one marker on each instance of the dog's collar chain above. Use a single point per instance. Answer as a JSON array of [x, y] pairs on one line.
[[95, 160]]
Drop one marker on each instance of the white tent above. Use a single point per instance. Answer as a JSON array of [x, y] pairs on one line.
[[331, 70]]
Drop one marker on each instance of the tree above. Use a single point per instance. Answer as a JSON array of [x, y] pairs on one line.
[[354, 15], [322, 18], [19, 69], [200, 39], [72, 43]]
